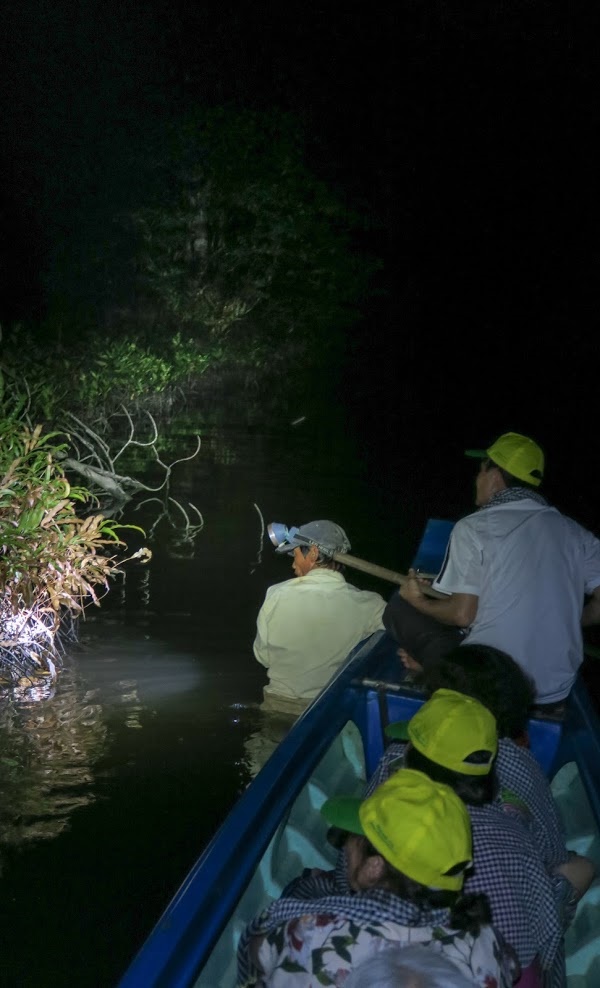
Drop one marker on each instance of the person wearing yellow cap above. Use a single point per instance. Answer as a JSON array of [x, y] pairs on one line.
[[491, 676], [519, 575], [453, 739], [407, 851]]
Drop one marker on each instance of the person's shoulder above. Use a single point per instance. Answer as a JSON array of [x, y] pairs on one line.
[[369, 599], [321, 575], [466, 521], [501, 832], [577, 526], [366, 594], [519, 769], [506, 515], [281, 589], [576, 534], [511, 753]]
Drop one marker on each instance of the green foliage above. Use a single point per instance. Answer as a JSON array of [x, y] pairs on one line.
[[246, 264], [127, 370], [99, 374], [38, 378], [243, 240], [131, 370], [53, 559], [50, 557]]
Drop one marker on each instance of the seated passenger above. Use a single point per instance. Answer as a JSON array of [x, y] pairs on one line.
[[308, 625], [498, 682], [408, 846], [453, 739]]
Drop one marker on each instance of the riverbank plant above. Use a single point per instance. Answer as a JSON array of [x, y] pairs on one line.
[[56, 555]]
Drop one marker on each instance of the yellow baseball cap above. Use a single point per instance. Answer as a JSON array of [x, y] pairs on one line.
[[419, 826], [452, 730], [518, 455]]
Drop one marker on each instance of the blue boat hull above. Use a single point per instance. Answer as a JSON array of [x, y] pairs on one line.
[[275, 829]]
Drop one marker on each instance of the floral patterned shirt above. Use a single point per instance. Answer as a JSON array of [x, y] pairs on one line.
[[307, 942]]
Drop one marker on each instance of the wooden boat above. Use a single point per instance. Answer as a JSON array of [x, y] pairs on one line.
[[275, 829]]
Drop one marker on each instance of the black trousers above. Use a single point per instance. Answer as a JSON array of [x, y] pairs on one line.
[[423, 637]]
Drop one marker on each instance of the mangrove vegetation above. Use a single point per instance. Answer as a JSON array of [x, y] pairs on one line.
[[232, 268]]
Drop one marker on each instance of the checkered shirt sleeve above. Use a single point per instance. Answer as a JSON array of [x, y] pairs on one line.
[[390, 761], [518, 771], [508, 868]]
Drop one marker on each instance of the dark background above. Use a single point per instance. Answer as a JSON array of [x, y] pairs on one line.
[[469, 137], [468, 134]]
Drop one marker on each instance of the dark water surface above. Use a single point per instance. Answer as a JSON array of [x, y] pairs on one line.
[[111, 787]]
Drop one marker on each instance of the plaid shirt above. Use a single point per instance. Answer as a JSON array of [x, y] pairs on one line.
[[518, 771], [508, 867]]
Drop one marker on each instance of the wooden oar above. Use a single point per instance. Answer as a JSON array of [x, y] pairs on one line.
[[389, 574], [380, 571]]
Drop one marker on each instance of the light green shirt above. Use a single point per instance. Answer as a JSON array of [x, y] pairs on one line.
[[306, 628]]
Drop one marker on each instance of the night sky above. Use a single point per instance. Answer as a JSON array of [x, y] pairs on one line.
[[469, 136]]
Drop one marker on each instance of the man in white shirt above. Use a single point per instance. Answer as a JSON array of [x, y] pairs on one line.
[[308, 625], [517, 572]]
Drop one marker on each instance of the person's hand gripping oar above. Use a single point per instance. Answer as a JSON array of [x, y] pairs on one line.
[[412, 589]]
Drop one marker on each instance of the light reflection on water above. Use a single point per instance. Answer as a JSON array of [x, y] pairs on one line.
[[50, 738], [53, 736], [112, 784]]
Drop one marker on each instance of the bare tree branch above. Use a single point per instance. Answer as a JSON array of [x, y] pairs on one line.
[[136, 442], [100, 474], [183, 459], [185, 536]]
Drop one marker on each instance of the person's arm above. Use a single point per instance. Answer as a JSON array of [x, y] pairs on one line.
[[579, 870], [591, 612], [458, 610], [261, 642], [279, 625]]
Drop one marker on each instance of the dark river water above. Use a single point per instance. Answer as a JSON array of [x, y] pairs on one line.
[[110, 787]]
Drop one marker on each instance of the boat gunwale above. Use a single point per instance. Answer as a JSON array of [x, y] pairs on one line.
[[180, 943]]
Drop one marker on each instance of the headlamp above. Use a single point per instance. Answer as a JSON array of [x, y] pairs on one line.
[[280, 533]]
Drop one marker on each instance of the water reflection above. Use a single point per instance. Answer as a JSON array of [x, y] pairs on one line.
[[115, 780], [264, 731], [51, 736], [54, 735]]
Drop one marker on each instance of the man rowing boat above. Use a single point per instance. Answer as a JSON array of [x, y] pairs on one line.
[[517, 573]]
